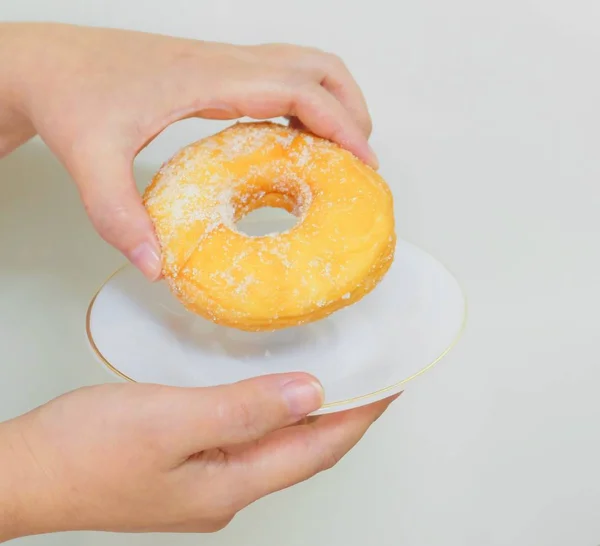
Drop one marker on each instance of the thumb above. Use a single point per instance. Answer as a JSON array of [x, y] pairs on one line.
[[245, 411], [115, 208]]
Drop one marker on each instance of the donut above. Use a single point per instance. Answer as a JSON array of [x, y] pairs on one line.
[[339, 250]]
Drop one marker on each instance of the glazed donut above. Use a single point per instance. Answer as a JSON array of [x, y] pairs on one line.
[[341, 247]]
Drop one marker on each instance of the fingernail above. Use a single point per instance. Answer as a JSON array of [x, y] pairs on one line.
[[303, 396], [147, 259]]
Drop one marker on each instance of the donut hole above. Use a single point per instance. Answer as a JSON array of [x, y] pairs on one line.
[[266, 221], [264, 211]]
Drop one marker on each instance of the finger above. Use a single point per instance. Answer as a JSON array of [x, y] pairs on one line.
[[320, 112], [295, 454], [317, 109], [339, 81], [330, 71], [107, 188], [241, 412]]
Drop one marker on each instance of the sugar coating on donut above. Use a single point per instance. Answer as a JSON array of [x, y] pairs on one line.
[[177, 184], [211, 184]]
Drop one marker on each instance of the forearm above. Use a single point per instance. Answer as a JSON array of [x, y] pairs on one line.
[[15, 59]]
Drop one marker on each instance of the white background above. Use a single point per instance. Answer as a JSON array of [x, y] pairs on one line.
[[487, 124]]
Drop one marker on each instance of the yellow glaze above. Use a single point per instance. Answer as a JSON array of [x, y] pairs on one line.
[[341, 247]]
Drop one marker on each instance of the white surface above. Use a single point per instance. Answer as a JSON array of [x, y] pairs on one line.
[[487, 120], [361, 354]]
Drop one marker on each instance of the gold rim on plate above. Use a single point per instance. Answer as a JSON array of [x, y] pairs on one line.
[[374, 394]]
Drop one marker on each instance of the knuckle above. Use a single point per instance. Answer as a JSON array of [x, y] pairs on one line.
[[247, 419], [241, 416], [335, 61], [324, 457], [337, 132], [329, 62], [330, 459]]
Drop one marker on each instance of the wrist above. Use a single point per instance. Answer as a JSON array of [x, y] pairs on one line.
[[28, 502], [12, 517]]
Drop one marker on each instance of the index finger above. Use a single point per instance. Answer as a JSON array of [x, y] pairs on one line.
[[339, 82], [323, 114], [317, 109]]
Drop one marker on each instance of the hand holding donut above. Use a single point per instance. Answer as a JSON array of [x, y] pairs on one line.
[[98, 96]]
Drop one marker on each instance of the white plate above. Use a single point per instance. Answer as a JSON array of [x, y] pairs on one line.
[[361, 354]]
